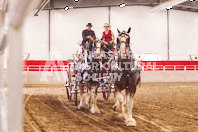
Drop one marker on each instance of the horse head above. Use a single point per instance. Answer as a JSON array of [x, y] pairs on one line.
[[123, 41], [97, 46]]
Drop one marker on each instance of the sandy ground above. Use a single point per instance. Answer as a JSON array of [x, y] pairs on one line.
[[158, 107]]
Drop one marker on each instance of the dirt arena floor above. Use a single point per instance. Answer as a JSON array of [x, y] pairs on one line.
[[168, 107]]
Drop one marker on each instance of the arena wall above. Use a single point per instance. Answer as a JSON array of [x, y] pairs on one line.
[[36, 36], [183, 34], [149, 30], [54, 72], [42, 34], [67, 33], [146, 76]]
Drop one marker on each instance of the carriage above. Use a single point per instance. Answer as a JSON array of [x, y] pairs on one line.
[[72, 84]]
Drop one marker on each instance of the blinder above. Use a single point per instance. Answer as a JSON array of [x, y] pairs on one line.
[[126, 41]]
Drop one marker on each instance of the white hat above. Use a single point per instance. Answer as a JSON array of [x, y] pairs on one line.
[[107, 25]]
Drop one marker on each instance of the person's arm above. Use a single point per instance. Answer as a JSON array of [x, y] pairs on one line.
[[94, 36], [113, 39]]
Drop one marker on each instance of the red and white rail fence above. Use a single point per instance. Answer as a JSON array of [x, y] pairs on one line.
[[59, 65]]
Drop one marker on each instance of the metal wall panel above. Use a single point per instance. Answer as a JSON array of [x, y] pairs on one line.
[[36, 35], [67, 27], [149, 30], [183, 34]]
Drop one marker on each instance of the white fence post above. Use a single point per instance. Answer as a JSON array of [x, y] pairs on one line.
[[17, 13], [15, 85]]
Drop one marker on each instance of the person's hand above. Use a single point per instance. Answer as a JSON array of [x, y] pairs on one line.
[[89, 36], [111, 42], [105, 42]]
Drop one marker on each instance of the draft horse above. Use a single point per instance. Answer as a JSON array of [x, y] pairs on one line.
[[89, 75], [130, 77]]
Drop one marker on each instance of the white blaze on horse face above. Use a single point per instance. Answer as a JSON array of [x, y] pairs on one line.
[[122, 49], [123, 39], [122, 45]]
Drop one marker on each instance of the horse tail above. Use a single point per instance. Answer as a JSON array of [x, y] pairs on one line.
[[139, 81], [140, 84]]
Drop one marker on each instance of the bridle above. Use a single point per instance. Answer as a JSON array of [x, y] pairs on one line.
[[96, 46], [123, 38]]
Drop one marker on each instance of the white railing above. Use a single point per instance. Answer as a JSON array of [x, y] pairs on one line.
[[45, 68], [170, 68], [143, 68]]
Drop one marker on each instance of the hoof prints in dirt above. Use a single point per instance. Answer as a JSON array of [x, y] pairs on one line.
[[153, 111]]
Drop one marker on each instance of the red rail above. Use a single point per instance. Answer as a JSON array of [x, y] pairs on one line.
[[59, 65], [45, 65]]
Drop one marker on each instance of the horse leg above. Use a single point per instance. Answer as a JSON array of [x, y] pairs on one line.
[[89, 93], [94, 108], [121, 100], [126, 97], [117, 104], [130, 121], [81, 95]]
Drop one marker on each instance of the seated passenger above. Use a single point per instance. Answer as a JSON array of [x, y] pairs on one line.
[[108, 37]]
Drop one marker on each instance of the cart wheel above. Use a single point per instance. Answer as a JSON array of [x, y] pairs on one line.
[[68, 85], [109, 89], [68, 93], [76, 92], [110, 84], [105, 95], [75, 98]]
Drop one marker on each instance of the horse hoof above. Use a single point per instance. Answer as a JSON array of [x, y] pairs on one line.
[[86, 103], [94, 110], [80, 106], [122, 115], [97, 110], [131, 122], [114, 108]]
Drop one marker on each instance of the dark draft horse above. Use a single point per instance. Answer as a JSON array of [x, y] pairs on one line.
[[89, 76], [129, 80]]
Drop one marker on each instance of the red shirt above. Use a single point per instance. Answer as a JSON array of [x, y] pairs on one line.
[[107, 37]]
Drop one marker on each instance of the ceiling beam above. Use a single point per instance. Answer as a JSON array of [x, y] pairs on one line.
[[99, 2], [43, 4], [166, 4]]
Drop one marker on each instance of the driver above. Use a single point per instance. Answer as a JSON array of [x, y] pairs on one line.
[[88, 36]]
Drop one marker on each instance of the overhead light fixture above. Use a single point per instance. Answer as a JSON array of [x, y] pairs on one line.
[[76, 0], [166, 4], [169, 7], [192, 0], [122, 5], [66, 8]]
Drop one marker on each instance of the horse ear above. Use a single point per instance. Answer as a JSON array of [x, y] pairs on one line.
[[118, 41], [118, 30], [129, 30]]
